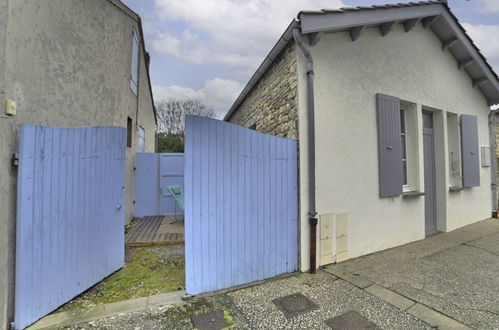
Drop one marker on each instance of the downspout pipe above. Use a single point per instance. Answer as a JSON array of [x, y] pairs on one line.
[[311, 147], [493, 168]]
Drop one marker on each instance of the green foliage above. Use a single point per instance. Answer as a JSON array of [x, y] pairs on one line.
[[169, 143]]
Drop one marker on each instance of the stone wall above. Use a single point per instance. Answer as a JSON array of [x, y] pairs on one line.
[[272, 104]]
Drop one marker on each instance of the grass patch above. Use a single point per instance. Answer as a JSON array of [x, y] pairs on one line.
[[146, 273]]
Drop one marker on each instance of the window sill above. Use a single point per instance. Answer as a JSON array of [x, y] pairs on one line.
[[412, 194], [454, 189]]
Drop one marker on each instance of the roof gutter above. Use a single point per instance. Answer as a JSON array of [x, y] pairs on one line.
[[312, 212]]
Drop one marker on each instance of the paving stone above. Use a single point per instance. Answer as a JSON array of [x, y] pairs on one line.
[[132, 305], [350, 320], [434, 318], [294, 304], [390, 297], [356, 280], [209, 321]]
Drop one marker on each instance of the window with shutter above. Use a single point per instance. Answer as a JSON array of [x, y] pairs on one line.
[[391, 177], [134, 70], [469, 151]]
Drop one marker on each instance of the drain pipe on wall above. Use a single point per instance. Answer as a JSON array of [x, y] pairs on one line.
[[311, 149], [493, 174]]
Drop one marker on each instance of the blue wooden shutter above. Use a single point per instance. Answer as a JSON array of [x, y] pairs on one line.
[[134, 70], [469, 150], [391, 178]]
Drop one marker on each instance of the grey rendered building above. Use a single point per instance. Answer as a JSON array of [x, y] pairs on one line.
[[68, 63]]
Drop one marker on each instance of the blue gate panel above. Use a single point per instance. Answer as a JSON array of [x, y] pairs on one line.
[[241, 211], [70, 214], [146, 184], [154, 173], [171, 172]]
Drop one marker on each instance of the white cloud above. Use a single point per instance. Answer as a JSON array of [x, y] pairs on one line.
[[236, 33], [485, 37], [488, 6], [217, 93]]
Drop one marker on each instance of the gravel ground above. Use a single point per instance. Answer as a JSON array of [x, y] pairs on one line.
[[252, 307], [333, 296]]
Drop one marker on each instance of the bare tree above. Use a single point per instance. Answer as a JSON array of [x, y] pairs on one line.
[[171, 113]]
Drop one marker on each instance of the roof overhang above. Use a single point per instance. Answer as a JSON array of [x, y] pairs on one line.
[[434, 15]]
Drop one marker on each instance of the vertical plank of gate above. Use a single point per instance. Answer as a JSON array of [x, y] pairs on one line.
[[218, 214], [74, 207], [235, 197], [54, 171], [266, 218], [280, 226], [293, 201], [260, 189], [212, 192], [195, 191], [247, 206], [285, 205]]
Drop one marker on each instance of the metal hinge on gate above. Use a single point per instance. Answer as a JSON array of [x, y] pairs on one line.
[[15, 159]]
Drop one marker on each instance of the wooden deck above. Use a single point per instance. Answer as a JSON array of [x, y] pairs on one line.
[[155, 230]]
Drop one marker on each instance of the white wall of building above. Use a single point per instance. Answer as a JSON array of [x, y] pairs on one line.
[[412, 67]]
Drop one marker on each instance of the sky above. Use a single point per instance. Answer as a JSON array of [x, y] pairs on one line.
[[209, 49]]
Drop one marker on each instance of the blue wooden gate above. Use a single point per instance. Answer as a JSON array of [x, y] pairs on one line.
[[70, 214], [154, 173], [241, 211]]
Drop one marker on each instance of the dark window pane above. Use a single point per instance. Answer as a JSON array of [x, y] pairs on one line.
[[402, 120], [427, 120], [404, 164]]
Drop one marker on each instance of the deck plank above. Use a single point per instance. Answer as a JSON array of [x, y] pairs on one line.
[[155, 230]]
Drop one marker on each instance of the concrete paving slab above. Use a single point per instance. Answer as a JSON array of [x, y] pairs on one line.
[[434, 318], [62, 319], [390, 297], [355, 279], [165, 298], [453, 273], [50, 321], [127, 306]]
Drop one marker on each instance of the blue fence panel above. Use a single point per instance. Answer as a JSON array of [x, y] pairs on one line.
[[241, 205], [154, 173], [70, 214], [146, 184], [171, 172]]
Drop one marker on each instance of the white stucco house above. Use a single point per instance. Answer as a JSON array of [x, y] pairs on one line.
[[391, 107]]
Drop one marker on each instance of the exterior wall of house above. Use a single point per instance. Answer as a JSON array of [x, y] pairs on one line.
[[412, 67], [272, 103], [68, 63]]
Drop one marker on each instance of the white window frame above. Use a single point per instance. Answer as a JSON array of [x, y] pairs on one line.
[[403, 137]]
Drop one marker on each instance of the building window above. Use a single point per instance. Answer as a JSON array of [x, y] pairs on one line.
[[404, 145], [134, 70], [454, 149], [129, 132], [142, 140]]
